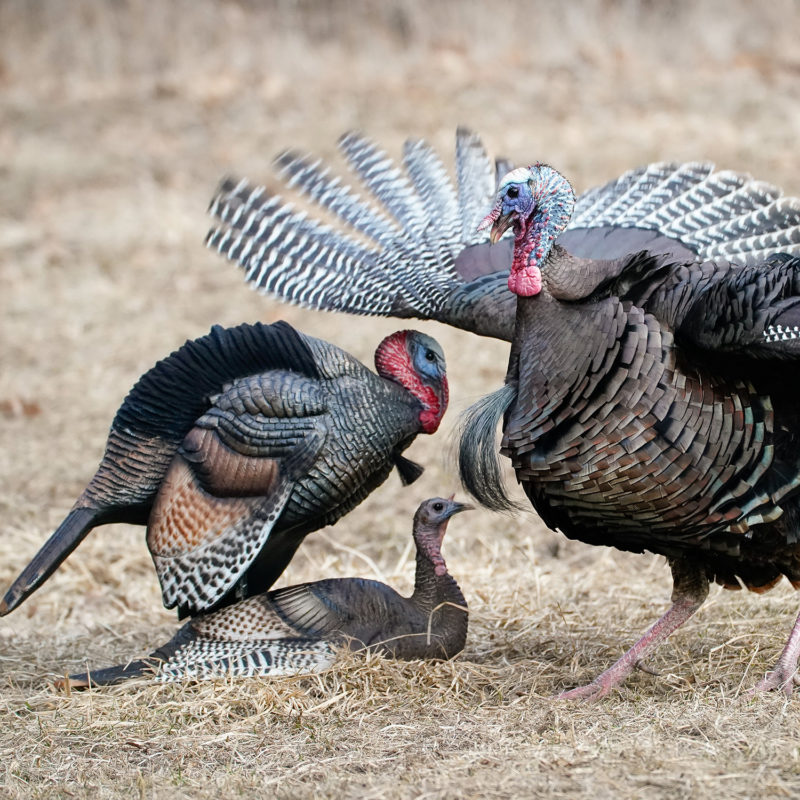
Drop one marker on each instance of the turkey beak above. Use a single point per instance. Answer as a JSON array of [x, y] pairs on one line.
[[500, 226], [456, 508]]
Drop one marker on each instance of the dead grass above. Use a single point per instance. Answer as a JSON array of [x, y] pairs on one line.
[[118, 120]]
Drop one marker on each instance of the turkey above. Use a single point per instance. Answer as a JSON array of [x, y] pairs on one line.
[[413, 250], [297, 629], [650, 404], [645, 404], [240, 443]]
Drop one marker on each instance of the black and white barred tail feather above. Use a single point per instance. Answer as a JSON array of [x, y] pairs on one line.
[[204, 661], [394, 256], [430, 179], [387, 183], [399, 251], [315, 181], [477, 182], [717, 214], [478, 459], [286, 254], [189, 657]]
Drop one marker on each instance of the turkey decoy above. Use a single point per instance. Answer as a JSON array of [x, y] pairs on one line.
[[240, 443], [414, 251], [299, 628], [649, 404]]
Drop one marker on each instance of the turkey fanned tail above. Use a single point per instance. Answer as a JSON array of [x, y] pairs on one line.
[[393, 255], [409, 248]]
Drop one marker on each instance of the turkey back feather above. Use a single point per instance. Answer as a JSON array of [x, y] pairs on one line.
[[168, 398], [164, 403]]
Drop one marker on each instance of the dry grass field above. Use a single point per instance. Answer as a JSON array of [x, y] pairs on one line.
[[117, 119]]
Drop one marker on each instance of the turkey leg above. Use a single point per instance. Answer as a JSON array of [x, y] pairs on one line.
[[690, 589], [783, 676]]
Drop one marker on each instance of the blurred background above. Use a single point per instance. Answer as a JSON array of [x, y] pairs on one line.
[[117, 120], [120, 117]]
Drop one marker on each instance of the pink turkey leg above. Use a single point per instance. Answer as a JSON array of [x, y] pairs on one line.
[[690, 589], [783, 676]]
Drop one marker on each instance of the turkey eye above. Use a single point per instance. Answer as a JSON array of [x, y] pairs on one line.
[[512, 191], [430, 355], [438, 507]]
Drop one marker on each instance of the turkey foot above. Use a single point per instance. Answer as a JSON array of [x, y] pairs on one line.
[[784, 675], [690, 589], [778, 678]]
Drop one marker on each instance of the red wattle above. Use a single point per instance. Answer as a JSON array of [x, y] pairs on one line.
[[525, 281]]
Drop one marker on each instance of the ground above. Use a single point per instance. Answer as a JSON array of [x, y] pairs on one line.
[[118, 121]]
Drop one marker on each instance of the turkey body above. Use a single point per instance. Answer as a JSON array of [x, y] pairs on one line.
[[300, 628], [624, 431], [649, 405], [239, 444]]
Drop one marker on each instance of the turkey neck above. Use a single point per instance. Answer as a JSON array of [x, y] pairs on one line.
[[568, 277], [551, 323], [442, 611], [431, 590]]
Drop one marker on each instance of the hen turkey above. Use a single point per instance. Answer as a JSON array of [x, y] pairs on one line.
[[236, 446], [299, 628]]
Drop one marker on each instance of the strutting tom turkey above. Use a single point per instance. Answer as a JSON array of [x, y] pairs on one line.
[[649, 404], [649, 397], [299, 628], [236, 446]]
